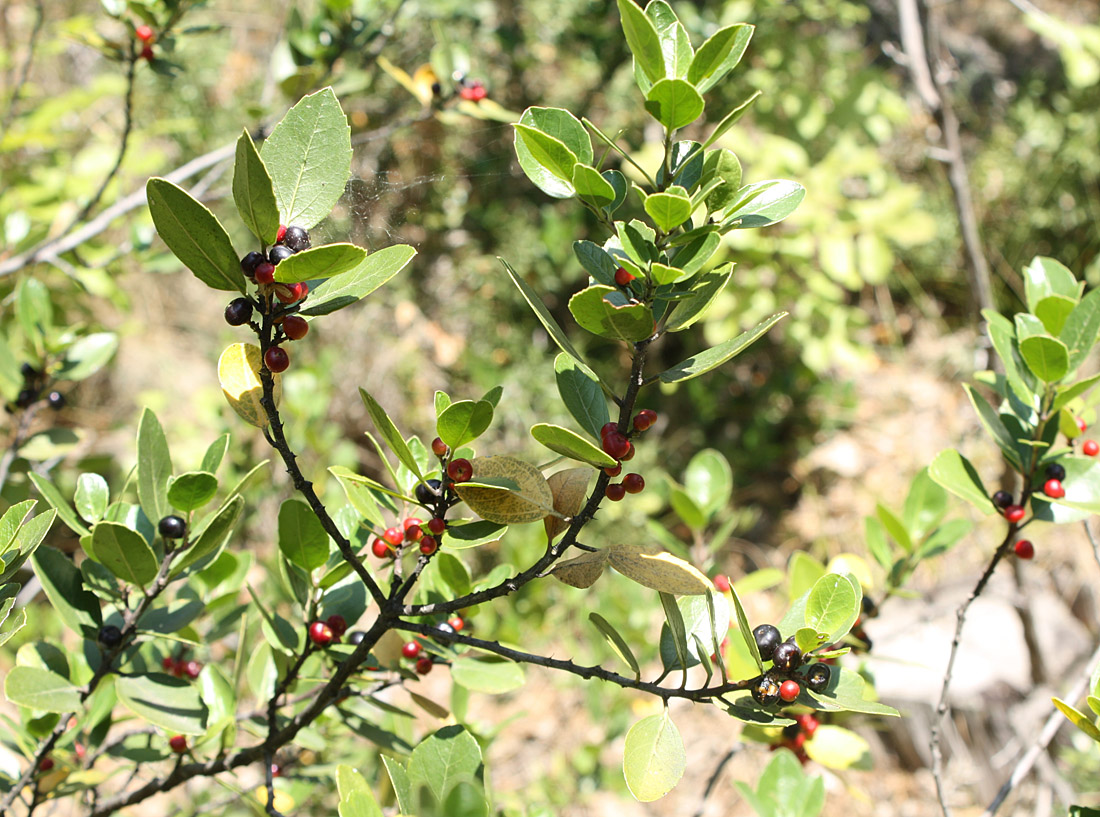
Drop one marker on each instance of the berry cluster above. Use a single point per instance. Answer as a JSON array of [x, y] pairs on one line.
[[795, 735], [146, 37], [389, 544], [414, 652], [781, 683], [329, 631], [618, 445], [260, 269], [176, 665], [472, 90], [35, 383]]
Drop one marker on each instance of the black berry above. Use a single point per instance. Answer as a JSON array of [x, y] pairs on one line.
[[296, 239], [1002, 499], [791, 730], [28, 371], [280, 253], [1056, 471], [787, 657], [172, 527], [766, 691], [109, 636], [357, 637], [817, 677], [26, 398], [869, 606], [424, 493], [767, 639], [250, 262], [56, 400], [238, 312]]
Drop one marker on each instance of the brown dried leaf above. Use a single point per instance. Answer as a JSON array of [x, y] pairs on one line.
[[582, 571], [570, 489], [652, 567], [530, 502]]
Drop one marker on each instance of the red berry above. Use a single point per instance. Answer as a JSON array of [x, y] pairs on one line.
[[644, 419], [607, 428], [722, 583], [144, 33], [614, 472], [381, 549], [147, 53], [429, 545], [616, 445], [1090, 448], [798, 740], [423, 665], [629, 455], [45, 764], [788, 690], [265, 273], [410, 522], [1014, 513], [178, 744], [169, 664], [281, 234], [295, 326], [321, 634], [275, 770], [1081, 425], [615, 491], [808, 723], [460, 470], [192, 669], [436, 525], [394, 536], [285, 294], [276, 359], [439, 448], [634, 483], [1024, 549], [1053, 488], [473, 92], [622, 277], [300, 290], [456, 623], [411, 649], [337, 624], [414, 533]]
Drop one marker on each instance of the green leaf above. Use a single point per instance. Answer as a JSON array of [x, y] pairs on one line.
[[643, 40], [443, 758], [87, 356], [700, 298], [302, 538], [170, 703], [698, 625], [563, 126], [675, 45], [618, 644], [213, 536], [721, 166], [1003, 336], [898, 532], [124, 552], [64, 587], [1053, 311], [581, 393], [463, 422], [718, 56], [34, 309], [833, 606], [215, 453], [356, 797], [390, 433], [1078, 719], [992, 422], [925, 505], [674, 103], [191, 490], [570, 444], [715, 356], [253, 193], [747, 638], [399, 778], [618, 183], [653, 757], [490, 677], [803, 572], [1081, 329], [349, 287], [708, 480], [669, 209], [91, 497], [846, 692], [955, 473], [195, 236], [591, 187], [637, 239], [154, 467], [547, 162], [309, 157], [327, 261], [1046, 357], [693, 256], [686, 508], [764, 203], [1045, 277], [37, 688], [605, 311]]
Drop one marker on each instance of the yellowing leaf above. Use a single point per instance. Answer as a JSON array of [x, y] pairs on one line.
[[653, 568], [529, 501], [283, 802], [570, 488], [582, 571], [239, 375], [856, 565]]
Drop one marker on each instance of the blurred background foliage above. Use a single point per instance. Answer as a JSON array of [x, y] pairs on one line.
[[872, 256]]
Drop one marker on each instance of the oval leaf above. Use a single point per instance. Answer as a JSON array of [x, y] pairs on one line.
[[604, 311], [302, 539], [570, 489], [464, 421], [124, 552], [669, 209], [38, 688], [570, 444], [347, 288], [530, 501], [191, 490], [654, 568], [164, 701], [253, 193], [674, 103], [653, 757], [239, 375], [320, 262], [953, 471], [580, 391], [491, 677], [581, 571]]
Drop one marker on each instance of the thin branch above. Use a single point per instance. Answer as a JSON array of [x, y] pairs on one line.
[[22, 430], [25, 68], [714, 777]]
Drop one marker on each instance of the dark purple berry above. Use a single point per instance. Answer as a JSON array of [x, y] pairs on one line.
[[28, 371], [817, 677], [766, 691], [238, 312], [767, 639], [1056, 471], [26, 398], [791, 730], [424, 493], [357, 637], [250, 262], [787, 657], [1002, 499], [280, 253], [172, 527], [109, 636], [296, 239], [56, 400]]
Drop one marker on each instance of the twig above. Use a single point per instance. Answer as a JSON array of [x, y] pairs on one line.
[[22, 429], [713, 780], [25, 68]]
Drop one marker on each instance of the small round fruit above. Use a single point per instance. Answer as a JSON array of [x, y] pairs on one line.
[[437, 525], [276, 359], [238, 312], [767, 639], [622, 277], [109, 636], [55, 400], [1024, 549], [45, 764], [426, 493], [278, 254], [1081, 425], [644, 419], [337, 623], [147, 53], [787, 656], [615, 491], [460, 470], [766, 691], [1055, 471], [439, 448], [633, 483], [356, 638], [614, 472], [1014, 513], [295, 327], [321, 634], [616, 445], [395, 536], [456, 623], [722, 583], [144, 33], [381, 549], [429, 545], [172, 527], [1002, 499], [192, 669], [168, 664], [789, 690], [1053, 488], [297, 239], [280, 234], [411, 649], [410, 522], [251, 262], [413, 533], [608, 428], [265, 273], [178, 744], [817, 676], [629, 455], [423, 665], [1090, 448]]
